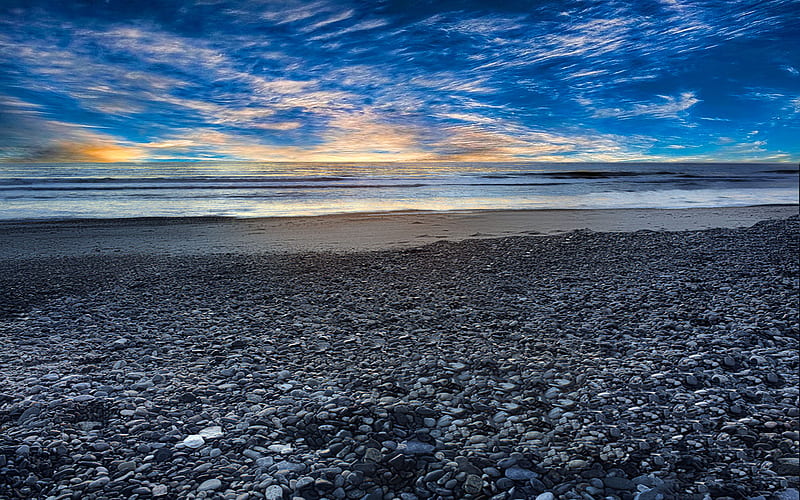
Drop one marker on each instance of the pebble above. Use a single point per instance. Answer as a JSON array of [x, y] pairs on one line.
[[126, 466], [273, 492], [194, 441], [159, 490], [283, 449], [415, 448], [618, 483], [210, 485], [520, 474], [98, 483], [212, 432]]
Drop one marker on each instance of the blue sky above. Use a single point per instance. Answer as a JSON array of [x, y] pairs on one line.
[[326, 80]]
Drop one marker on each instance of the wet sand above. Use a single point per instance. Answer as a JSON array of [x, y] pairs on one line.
[[347, 232]]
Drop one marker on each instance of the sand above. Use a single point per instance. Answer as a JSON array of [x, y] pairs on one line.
[[347, 232]]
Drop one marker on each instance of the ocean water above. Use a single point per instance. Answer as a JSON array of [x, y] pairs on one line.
[[113, 190]]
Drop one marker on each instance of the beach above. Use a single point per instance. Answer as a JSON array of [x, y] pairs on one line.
[[543, 354], [347, 232]]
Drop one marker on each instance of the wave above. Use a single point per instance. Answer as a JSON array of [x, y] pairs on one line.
[[579, 174], [155, 180], [184, 187], [782, 171]]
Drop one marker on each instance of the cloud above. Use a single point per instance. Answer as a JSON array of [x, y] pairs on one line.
[[668, 107], [795, 105], [67, 152], [335, 18], [791, 70], [328, 79], [361, 26]]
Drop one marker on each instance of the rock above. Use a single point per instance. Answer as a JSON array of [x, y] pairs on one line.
[[100, 446], [323, 485], [788, 466], [126, 466], [119, 343], [283, 449], [210, 485], [304, 482], [618, 483], [788, 494], [289, 466], [415, 448], [162, 455], [473, 484], [520, 474], [159, 490], [194, 441], [187, 397], [577, 464], [372, 454], [30, 412], [98, 483], [212, 432], [264, 462], [273, 492], [546, 496]]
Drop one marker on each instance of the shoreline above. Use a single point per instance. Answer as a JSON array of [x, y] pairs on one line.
[[390, 213], [347, 232]]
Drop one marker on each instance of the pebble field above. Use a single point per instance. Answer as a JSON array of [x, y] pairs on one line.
[[646, 365]]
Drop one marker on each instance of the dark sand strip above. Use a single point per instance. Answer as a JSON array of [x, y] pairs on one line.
[[197, 236]]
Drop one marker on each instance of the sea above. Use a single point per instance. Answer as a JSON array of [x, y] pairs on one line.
[[52, 191]]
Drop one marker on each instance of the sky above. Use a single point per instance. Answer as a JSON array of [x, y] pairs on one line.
[[264, 80]]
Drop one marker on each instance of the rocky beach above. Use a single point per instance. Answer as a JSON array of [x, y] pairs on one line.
[[586, 365]]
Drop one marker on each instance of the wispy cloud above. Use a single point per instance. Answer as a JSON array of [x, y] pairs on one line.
[[320, 79], [667, 107]]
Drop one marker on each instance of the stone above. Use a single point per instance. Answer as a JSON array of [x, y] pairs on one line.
[[618, 483], [577, 464], [210, 485], [415, 448], [372, 454], [787, 466], [323, 485], [211, 432], [162, 454], [194, 441], [520, 474], [30, 412], [283, 449], [273, 492], [264, 462], [304, 482], [473, 484], [788, 494], [98, 483], [126, 466]]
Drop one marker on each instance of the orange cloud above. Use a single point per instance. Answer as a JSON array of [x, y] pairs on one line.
[[85, 152]]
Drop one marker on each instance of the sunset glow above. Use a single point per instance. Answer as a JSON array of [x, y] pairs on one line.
[[394, 81]]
